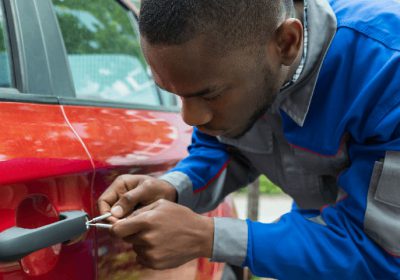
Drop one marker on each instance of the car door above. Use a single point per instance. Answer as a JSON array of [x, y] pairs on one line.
[[126, 124], [76, 113], [45, 171]]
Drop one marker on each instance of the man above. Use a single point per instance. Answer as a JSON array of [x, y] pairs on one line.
[[307, 93]]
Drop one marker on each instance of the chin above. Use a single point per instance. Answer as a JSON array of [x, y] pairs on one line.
[[211, 132], [234, 134], [237, 133]]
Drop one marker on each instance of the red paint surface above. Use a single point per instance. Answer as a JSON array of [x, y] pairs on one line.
[[207, 270], [122, 141], [126, 137], [44, 170], [33, 212], [37, 142]]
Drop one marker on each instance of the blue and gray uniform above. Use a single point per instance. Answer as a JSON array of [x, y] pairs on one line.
[[332, 142]]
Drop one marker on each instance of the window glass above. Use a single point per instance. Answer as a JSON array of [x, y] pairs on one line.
[[168, 98], [137, 2], [5, 65], [104, 52]]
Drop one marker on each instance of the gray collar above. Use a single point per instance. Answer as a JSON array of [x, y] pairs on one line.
[[295, 99]]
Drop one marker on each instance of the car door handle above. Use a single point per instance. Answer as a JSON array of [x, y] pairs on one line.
[[16, 242]]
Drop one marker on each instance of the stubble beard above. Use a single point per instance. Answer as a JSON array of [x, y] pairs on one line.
[[264, 102]]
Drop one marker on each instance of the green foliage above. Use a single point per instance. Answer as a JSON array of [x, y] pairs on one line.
[[97, 27], [267, 187]]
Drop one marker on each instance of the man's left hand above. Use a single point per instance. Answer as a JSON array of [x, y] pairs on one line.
[[166, 235]]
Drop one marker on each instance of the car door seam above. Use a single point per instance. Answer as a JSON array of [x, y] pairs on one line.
[[77, 135]]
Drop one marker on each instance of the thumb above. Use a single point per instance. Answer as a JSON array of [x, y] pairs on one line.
[[127, 203]]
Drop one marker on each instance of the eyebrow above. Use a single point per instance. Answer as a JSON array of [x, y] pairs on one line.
[[195, 94]]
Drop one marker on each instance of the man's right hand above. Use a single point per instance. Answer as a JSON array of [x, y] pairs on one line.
[[127, 192]]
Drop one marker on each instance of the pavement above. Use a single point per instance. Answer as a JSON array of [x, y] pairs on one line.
[[270, 207]]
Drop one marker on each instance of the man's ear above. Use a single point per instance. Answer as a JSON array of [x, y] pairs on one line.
[[289, 40]]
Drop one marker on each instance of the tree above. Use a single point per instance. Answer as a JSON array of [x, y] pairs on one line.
[[97, 27]]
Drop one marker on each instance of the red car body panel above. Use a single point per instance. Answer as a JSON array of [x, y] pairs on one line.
[[44, 171], [124, 141], [33, 135], [127, 137], [56, 158]]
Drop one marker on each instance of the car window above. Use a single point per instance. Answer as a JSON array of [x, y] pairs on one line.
[[5, 63], [168, 99], [137, 2], [104, 52]]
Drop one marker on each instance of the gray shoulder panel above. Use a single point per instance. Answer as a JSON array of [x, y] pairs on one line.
[[382, 222], [388, 190]]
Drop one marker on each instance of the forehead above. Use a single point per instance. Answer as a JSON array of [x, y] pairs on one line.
[[182, 65]]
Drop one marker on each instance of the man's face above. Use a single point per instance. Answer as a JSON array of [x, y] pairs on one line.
[[222, 95]]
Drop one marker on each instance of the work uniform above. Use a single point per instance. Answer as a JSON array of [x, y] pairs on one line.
[[331, 140]]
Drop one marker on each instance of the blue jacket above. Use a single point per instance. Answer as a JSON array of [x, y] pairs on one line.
[[338, 157]]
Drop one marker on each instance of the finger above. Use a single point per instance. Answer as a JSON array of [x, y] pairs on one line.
[[131, 225], [112, 194], [127, 203], [103, 207], [113, 220], [142, 194], [136, 240], [120, 186], [105, 202], [139, 249], [146, 208], [143, 256], [142, 260]]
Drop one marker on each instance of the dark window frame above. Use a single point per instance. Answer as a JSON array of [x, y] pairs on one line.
[[8, 51], [166, 105], [27, 86]]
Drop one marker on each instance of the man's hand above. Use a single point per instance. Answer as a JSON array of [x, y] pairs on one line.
[[129, 191], [166, 235]]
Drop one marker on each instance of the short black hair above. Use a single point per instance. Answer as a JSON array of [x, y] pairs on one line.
[[236, 23]]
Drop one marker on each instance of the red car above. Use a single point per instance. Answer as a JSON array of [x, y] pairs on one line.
[[78, 107]]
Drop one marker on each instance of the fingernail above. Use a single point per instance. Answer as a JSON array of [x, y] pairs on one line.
[[117, 211]]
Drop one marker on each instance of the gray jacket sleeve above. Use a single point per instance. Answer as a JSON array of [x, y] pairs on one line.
[[238, 173], [230, 235]]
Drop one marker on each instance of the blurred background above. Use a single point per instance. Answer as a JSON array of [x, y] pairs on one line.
[[262, 201]]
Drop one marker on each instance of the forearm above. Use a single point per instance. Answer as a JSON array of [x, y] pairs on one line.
[[297, 248], [208, 174]]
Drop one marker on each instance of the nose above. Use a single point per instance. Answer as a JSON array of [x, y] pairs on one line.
[[195, 111]]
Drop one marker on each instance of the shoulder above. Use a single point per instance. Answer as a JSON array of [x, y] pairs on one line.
[[378, 20]]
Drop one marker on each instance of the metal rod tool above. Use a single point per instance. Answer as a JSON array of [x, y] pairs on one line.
[[93, 222]]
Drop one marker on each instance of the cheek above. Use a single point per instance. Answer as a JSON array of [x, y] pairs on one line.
[[233, 108]]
